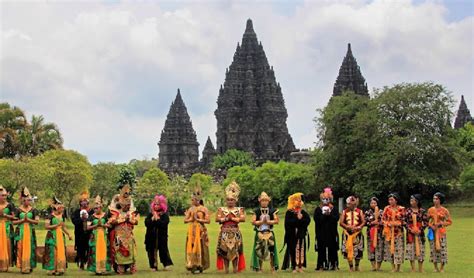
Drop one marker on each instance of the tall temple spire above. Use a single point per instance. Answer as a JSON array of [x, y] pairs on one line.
[[251, 114], [350, 78], [178, 144], [463, 116]]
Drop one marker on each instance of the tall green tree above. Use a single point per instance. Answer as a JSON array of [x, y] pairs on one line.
[[105, 177], [12, 120], [153, 182], [39, 136], [71, 173]]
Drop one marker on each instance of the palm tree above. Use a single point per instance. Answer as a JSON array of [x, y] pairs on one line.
[[12, 121], [39, 137]]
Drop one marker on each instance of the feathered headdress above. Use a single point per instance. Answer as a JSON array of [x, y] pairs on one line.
[[25, 193], [232, 191], [55, 203], [294, 199], [84, 196]]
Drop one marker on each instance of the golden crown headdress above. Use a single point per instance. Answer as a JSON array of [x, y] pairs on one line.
[[232, 191]]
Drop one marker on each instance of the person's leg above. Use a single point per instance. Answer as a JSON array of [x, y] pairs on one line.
[[235, 265], [351, 265], [412, 264], [441, 269], [420, 266], [226, 266], [357, 261]]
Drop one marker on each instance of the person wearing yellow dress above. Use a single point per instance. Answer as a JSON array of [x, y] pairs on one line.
[[27, 218], [197, 241], [97, 223], [438, 219], [6, 231], [54, 258]]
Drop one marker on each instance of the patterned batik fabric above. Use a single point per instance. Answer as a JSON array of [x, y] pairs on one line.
[[440, 256]]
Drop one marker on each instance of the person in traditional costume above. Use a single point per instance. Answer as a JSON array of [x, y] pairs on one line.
[[123, 218], [197, 241], [264, 246], [98, 261], [326, 218], [7, 214], [393, 219], [81, 235], [352, 222], [416, 220], [26, 218], [230, 246], [375, 240], [156, 237], [54, 257], [438, 219], [296, 234]]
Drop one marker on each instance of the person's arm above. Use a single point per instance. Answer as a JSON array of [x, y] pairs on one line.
[[448, 220], [76, 218], [35, 217], [220, 217], [188, 217], [256, 222], [240, 217], [66, 231], [48, 225], [362, 222], [163, 221], [276, 219], [17, 220], [341, 222]]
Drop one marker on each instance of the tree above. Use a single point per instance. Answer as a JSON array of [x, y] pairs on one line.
[[28, 172], [39, 137], [232, 158], [467, 181], [20, 138], [340, 146], [105, 177], [153, 182], [12, 120], [202, 180], [179, 196], [141, 166], [401, 140], [71, 173]]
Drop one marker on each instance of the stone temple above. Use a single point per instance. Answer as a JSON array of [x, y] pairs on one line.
[[463, 116], [178, 144], [350, 78], [251, 113]]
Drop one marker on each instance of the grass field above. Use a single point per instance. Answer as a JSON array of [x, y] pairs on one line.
[[460, 239]]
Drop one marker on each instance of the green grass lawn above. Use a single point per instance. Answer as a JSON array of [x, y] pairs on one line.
[[460, 239]]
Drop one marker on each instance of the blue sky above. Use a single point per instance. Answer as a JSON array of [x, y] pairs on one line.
[[106, 72]]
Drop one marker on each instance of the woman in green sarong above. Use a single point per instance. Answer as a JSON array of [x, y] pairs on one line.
[[54, 258], [98, 259], [25, 236]]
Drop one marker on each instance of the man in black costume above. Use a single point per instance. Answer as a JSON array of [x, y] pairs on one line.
[[326, 218], [81, 234]]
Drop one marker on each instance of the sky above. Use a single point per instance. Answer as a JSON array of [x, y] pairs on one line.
[[106, 72]]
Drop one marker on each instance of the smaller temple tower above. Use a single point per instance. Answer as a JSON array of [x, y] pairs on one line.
[[463, 116], [178, 145], [208, 154], [350, 78]]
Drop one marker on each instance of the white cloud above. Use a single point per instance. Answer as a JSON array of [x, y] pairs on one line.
[[107, 73]]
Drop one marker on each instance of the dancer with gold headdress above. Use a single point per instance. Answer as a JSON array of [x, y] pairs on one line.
[[352, 221], [54, 257], [97, 223], [156, 237], [296, 234], [123, 218], [81, 234], [230, 246], [326, 218], [27, 218], [264, 246], [393, 218], [7, 211], [197, 241], [438, 219]]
